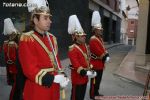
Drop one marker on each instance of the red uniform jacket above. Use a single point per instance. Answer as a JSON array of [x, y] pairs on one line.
[[10, 48], [97, 48], [35, 63], [77, 55]]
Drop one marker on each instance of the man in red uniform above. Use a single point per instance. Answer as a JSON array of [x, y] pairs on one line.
[[79, 57], [99, 54], [10, 49], [38, 55]]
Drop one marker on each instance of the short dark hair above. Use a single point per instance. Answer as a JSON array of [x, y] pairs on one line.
[[36, 14], [32, 24]]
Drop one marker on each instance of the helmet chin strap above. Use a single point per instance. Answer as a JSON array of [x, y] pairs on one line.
[[12, 37]]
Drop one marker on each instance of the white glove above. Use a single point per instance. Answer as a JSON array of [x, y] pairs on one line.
[[94, 74], [59, 78], [107, 59], [91, 74], [65, 83]]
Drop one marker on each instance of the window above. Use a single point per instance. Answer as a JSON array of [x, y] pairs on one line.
[[132, 22]]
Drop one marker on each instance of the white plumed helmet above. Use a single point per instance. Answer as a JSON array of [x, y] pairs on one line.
[[38, 7], [32, 4], [74, 26], [9, 27], [96, 20]]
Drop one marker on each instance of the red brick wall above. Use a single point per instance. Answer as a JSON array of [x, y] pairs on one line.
[[132, 28]]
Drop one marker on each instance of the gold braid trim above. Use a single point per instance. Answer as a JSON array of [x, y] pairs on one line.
[[41, 73], [27, 37], [55, 43]]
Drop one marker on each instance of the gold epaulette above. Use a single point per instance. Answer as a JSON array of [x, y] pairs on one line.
[[27, 36], [71, 47], [93, 37], [6, 42]]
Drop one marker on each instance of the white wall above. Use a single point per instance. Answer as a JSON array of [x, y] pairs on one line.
[[134, 11]]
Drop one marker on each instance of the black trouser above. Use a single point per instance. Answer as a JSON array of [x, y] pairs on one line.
[[78, 92], [95, 84], [20, 81], [10, 76]]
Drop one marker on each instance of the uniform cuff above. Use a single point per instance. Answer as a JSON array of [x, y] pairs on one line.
[[83, 72], [104, 58], [47, 80]]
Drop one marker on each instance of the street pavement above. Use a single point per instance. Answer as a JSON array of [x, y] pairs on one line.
[[111, 85]]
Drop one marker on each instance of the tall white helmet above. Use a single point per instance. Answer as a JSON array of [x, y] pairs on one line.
[[74, 26], [38, 7], [9, 27], [96, 20]]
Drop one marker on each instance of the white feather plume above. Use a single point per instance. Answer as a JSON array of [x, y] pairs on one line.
[[96, 20], [74, 25], [9, 27], [32, 4]]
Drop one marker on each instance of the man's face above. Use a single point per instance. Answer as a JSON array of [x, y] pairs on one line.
[[98, 31], [80, 39], [44, 22]]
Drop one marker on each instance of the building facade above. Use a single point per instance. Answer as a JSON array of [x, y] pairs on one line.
[[132, 8], [132, 31]]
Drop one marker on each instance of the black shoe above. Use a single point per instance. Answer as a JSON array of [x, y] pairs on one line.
[[92, 99], [100, 95], [96, 96]]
